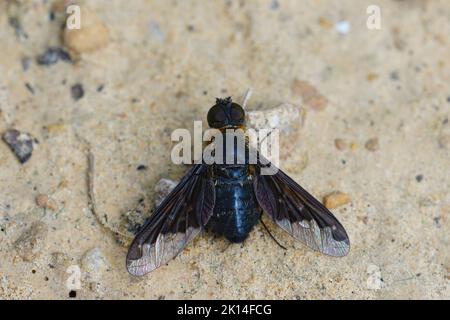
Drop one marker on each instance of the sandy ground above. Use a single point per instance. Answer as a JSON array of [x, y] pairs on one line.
[[150, 67]]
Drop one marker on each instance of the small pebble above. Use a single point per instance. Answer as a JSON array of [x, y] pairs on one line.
[[156, 31], [309, 94], [372, 76], [372, 144], [43, 201], [336, 199], [20, 32], [285, 117], [93, 35], [437, 221], [22, 144], [77, 91], [31, 242], [363, 219], [94, 264], [419, 178], [444, 141], [60, 262], [324, 23], [134, 218], [26, 62], [29, 88], [54, 128], [274, 5], [340, 144], [162, 189], [343, 27], [141, 167], [52, 56], [394, 75]]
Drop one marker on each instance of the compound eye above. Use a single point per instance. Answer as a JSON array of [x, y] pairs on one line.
[[236, 112], [216, 116], [219, 115]]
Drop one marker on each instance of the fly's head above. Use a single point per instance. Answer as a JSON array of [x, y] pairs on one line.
[[226, 114]]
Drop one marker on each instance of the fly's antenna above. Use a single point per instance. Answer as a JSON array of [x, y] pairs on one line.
[[224, 102], [270, 234]]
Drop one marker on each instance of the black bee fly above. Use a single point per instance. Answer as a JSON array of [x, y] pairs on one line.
[[229, 199]]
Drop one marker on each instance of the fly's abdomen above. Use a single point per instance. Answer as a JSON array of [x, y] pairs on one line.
[[236, 210]]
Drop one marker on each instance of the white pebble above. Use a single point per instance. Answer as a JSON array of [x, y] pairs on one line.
[[94, 264], [343, 27]]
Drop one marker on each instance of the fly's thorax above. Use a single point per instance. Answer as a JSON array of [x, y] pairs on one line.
[[231, 172]]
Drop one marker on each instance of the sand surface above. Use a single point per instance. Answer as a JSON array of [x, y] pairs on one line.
[[146, 68]]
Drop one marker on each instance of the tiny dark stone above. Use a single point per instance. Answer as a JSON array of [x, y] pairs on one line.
[[448, 99], [51, 16], [135, 228], [274, 5], [77, 91], [26, 62], [72, 294], [15, 23], [21, 144], [30, 88], [394, 75], [141, 167], [100, 88], [437, 221], [190, 28], [52, 56], [64, 55], [419, 178]]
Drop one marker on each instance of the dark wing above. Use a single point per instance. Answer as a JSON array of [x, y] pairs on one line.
[[300, 214], [179, 218]]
